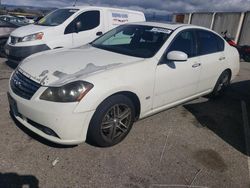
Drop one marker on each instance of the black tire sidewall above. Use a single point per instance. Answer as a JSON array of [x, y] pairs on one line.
[[217, 93], [246, 58], [94, 135]]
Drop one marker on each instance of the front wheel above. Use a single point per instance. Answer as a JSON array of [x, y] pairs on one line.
[[112, 121], [221, 85]]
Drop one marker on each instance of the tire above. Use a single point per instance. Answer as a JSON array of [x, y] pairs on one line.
[[221, 85], [246, 58], [111, 122], [2, 44]]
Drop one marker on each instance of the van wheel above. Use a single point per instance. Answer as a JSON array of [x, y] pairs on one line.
[[221, 85], [112, 121]]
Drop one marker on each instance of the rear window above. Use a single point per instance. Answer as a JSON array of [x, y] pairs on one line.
[[209, 43]]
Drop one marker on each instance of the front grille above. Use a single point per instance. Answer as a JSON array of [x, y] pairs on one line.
[[14, 40], [23, 86]]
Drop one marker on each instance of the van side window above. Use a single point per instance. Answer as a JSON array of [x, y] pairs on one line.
[[71, 28], [87, 21], [184, 42], [209, 43]]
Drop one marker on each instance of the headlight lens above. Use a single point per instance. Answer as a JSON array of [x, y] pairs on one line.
[[37, 36], [72, 92]]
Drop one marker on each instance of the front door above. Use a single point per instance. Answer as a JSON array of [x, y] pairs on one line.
[[85, 28], [175, 81]]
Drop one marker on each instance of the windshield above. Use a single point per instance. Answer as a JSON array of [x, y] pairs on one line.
[[57, 17], [134, 40]]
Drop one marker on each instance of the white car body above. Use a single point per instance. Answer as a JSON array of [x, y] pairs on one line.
[[157, 86], [57, 36]]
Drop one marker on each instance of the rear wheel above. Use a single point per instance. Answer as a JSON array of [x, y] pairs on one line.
[[246, 57], [112, 121], [221, 85]]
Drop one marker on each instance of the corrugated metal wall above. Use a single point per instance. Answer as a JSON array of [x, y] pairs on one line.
[[202, 19], [227, 21], [220, 22], [245, 32], [179, 18]]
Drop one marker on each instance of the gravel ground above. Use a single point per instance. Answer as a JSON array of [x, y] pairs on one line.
[[199, 144]]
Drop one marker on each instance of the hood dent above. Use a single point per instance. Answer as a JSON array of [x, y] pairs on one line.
[[65, 78]]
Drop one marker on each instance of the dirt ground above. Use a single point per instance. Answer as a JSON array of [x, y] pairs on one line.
[[200, 144]]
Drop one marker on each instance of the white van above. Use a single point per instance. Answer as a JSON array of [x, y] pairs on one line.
[[66, 28]]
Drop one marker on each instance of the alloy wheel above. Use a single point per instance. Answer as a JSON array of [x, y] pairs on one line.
[[116, 122]]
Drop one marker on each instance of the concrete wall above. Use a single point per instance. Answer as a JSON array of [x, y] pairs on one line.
[[202, 19], [186, 18], [227, 21], [245, 31]]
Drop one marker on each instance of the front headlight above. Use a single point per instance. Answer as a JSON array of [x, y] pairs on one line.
[[37, 36], [72, 92]]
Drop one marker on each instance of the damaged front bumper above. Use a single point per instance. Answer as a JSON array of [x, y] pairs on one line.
[[56, 122]]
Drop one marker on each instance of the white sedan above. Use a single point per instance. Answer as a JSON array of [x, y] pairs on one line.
[[95, 93]]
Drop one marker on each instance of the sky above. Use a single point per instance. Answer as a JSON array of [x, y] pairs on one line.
[[159, 7]]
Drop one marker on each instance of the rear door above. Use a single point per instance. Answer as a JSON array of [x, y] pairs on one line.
[[211, 51], [176, 81]]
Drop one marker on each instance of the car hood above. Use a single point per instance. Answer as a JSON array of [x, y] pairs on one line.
[[58, 67], [28, 30]]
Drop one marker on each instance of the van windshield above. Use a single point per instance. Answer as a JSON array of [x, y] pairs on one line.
[[134, 40], [57, 17]]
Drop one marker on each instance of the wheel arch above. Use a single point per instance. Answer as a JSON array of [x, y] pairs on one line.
[[229, 71], [134, 98]]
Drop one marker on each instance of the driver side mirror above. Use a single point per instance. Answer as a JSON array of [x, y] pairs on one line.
[[177, 56]]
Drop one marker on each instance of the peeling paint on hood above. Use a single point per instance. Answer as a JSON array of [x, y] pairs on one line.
[[90, 68], [58, 67]]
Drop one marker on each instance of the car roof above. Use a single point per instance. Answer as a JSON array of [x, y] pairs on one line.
[[169, 25], [7, 16], [99, 7]]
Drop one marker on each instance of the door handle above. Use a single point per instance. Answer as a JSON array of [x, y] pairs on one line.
[[196, 65], [99, 33], [222, 58]]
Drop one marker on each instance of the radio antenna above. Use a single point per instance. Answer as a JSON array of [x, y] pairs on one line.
[[75, 3]]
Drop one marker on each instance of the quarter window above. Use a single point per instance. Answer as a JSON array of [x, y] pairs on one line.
[[209, 43], [184, 42]]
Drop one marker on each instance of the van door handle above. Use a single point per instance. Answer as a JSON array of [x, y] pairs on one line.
[[196, 65], [222, 58], [99, 33]]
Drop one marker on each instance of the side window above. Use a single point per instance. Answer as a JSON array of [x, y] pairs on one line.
[[71, 28], [4, 24], [221, 44], [209, 43], [184, 42], [87, 21]]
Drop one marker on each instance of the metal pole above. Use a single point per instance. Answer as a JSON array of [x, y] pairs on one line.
[[237, 37], [190, 18], [73, 5]]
